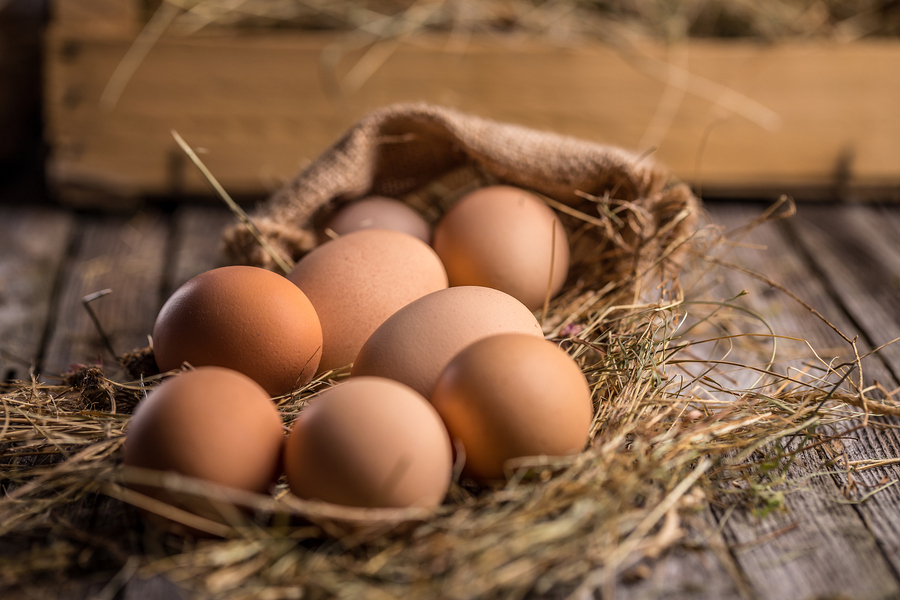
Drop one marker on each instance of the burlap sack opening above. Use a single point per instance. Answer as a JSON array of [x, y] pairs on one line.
[[630, 215]]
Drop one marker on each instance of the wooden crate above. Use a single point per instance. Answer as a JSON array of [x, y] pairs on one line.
[[732, 118]]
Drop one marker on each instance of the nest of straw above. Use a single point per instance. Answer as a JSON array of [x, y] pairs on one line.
[[671, 434]]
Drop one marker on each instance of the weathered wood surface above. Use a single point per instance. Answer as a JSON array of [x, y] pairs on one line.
[[701, 568], [817, 544], [33, 243], [197, 246], [733, 117], [858, 255], [828, 540], [125, 255]]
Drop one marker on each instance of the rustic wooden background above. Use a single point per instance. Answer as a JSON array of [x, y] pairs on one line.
[[817, 121], [741, 118]]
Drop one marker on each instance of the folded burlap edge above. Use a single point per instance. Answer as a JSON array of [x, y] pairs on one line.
[[395, 149]]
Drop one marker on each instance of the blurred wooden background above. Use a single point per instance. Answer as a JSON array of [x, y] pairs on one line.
[[735, 118]]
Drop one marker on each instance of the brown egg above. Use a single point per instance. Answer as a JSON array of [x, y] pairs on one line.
[[415, 344], [372, 443], [505, 238], [511, 396], [378, 212], [211, 423], [358, 280], [243, 318]]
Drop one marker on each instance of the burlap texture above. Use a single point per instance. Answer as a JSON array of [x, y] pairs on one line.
[[400, 148]]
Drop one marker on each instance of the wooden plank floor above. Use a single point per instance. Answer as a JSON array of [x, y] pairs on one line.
[[844, 260]]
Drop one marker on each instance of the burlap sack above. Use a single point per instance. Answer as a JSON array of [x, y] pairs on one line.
[[636, 216]]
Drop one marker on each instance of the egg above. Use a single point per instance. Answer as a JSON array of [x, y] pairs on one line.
[[505, 238], [511, 396], [378, 212], [372, 443], [360, 279], [415, 344], [243, 318], [211, 423]]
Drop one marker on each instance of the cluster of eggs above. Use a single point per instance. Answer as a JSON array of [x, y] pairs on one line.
[[443, 342]]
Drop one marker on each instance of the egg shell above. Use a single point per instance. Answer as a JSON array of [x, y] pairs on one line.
[[505, 238], [211, 423], [511, 396], [378, 212], [358, 280], [243, 318], [371, 443], [415, 344]]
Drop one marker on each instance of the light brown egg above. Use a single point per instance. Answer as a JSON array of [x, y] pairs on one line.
[[415, 344], [505, 238], [511, 396], [378, 212], [243, 318], [211, 423], [372, 443], [358, 280]]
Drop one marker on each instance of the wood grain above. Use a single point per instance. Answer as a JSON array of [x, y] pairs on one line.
[[820, 544], [197, 243], [153, 588], [126, 255], [690, 571], [815, 546], [770, 251], [33, 243], [855, 248], [743, 118]]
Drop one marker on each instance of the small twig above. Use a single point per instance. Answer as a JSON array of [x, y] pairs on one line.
[[550, 276], [86, 303]]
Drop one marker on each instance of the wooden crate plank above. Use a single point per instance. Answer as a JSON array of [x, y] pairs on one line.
[[125, 254], [258, 104], [33, 243], [108, 13], [820, 545]]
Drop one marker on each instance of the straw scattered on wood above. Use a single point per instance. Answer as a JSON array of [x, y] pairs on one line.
[[693, 406]]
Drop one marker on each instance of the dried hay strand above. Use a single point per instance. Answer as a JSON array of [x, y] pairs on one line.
[[560, 20], [688, 398]]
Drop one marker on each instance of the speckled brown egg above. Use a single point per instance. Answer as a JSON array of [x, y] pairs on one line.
[[243, 318], [372, 443], [378, 212], [211, 423], [415, 344], [511, 396], [505, 238], [358, 280]]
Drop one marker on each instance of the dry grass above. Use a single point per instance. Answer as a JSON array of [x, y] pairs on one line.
[[559, 19], [685, 404]]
